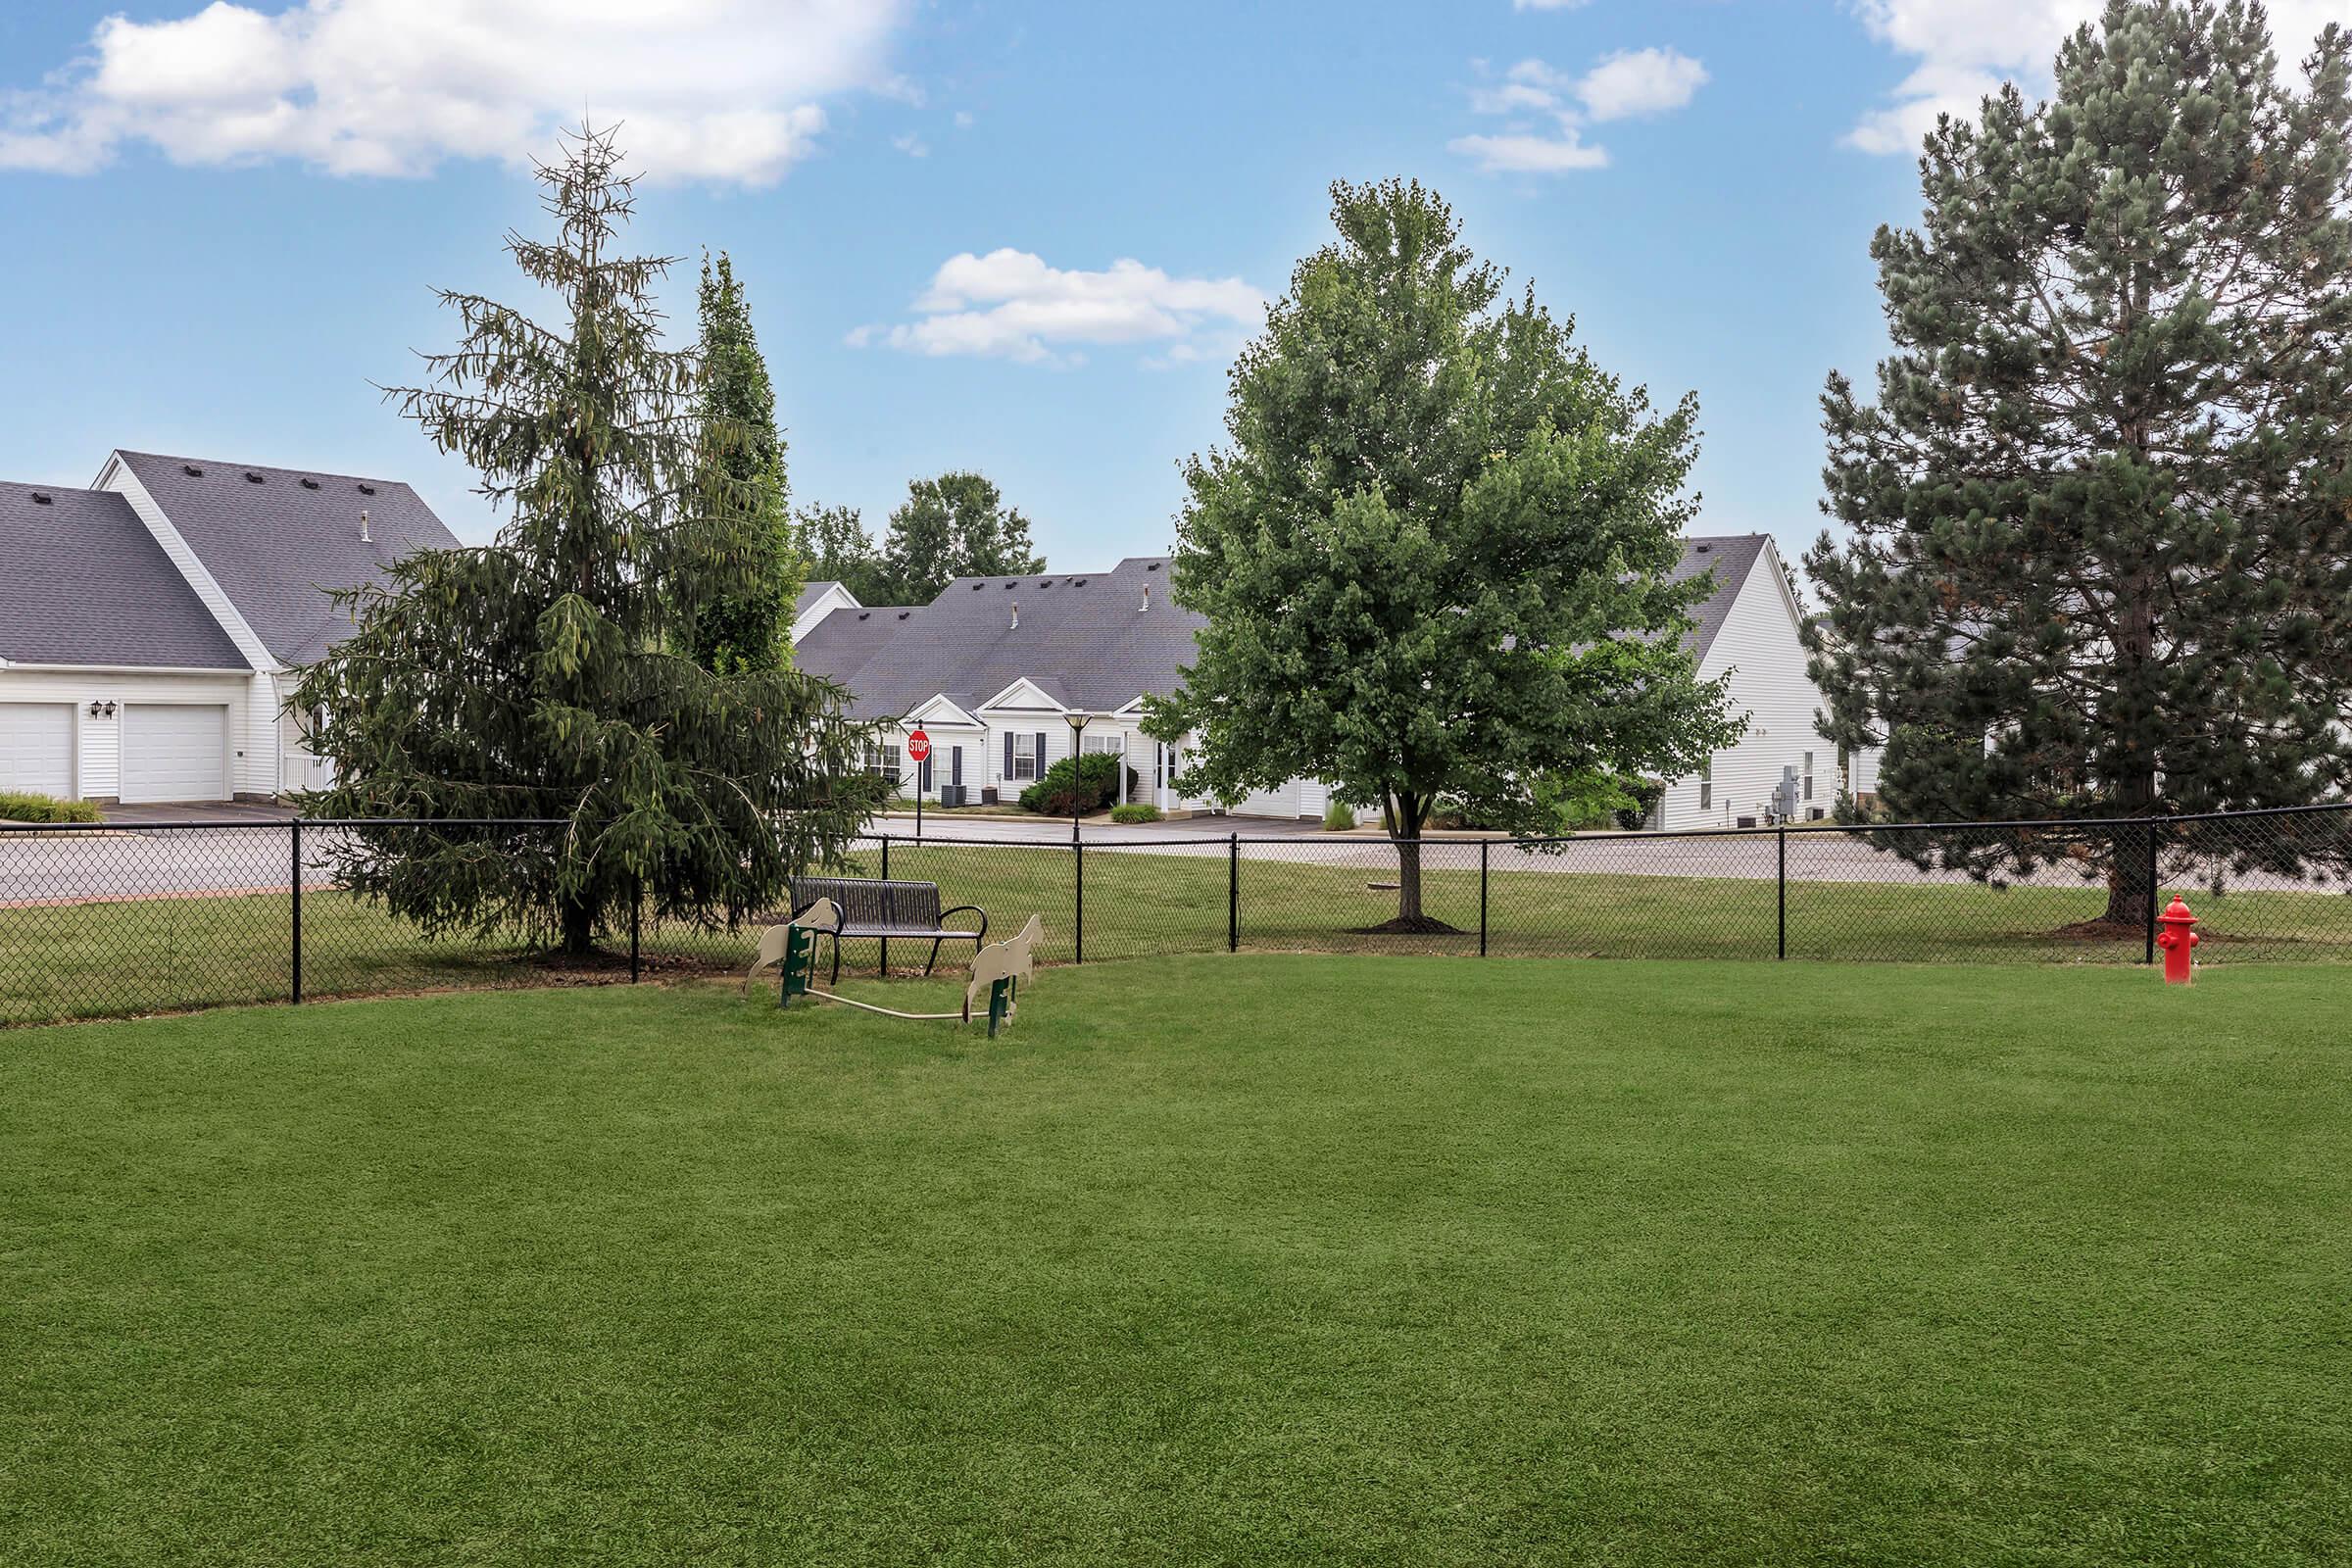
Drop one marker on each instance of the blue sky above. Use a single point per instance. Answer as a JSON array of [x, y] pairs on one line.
[[226, 222]]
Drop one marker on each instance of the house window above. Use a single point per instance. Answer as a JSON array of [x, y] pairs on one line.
[[1808, 775], [1706, 784], [1114, 743], [1024, 755], [882, 761]]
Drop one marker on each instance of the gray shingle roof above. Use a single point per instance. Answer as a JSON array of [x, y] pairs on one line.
[[1084, 638], [810, 593], [1731, 556], [277, 542], [83, 582], [839, 646]]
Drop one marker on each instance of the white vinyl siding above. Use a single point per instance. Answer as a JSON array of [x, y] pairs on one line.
[[174, 752], [98, 737], [36, 749], [1758, 647]]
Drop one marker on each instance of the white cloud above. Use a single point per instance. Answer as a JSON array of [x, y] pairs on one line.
[[1528, 154], [1010, 304], [1639, 81], [1965, 49], [706, 89], [911, 145], [1549, 108]]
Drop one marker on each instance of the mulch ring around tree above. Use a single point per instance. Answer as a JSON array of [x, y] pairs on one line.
[[1409, 925]]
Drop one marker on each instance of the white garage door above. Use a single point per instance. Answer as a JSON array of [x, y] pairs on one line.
[[36, 747], [175, 752], [1282, 802]]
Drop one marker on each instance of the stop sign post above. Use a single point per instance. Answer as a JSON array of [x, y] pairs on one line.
[[918, 749]]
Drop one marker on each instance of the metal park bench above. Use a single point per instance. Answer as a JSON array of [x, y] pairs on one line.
[[890, 911]]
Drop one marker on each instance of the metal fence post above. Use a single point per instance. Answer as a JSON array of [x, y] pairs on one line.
[[1782, 879], [636, 912], [1232, 893], [1482, 846], [2151, 910], [1078, 923], [296, 837], [883, 969]]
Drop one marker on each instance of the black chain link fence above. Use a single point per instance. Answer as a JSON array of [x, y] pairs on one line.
[[122, 918]]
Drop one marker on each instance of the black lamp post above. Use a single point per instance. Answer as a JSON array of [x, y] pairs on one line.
[[1077, 723]]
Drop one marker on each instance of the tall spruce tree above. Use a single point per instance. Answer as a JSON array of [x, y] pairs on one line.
[[742, 478], [957, 525], [531, 677], [1435, 558], [2100, 550]]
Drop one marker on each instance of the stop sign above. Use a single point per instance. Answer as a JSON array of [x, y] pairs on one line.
[[918, 746]]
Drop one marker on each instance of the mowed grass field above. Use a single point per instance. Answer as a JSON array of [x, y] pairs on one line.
[[1207, 1260], [130, 956]]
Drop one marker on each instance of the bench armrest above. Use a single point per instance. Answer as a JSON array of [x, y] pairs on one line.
[[967, 908]]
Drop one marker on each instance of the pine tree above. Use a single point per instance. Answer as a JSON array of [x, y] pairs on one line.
[[532, 678], [1435, 560], [955, 526], [2100, 516], [743, 477]]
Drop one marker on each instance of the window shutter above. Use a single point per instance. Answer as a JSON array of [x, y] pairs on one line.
[[1041, 753], [1008, 757]]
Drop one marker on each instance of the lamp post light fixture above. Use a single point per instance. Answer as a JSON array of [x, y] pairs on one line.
[[1077, 723]]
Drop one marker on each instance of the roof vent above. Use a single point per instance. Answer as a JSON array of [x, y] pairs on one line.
[[903, 613], [976, 587], [41, 498], [1011, 585], [1016, 612], [366, 537], [252, 478], [366, 489], [1077, 582], [1045, 582], [865, 615], [309, 484], [1700, 549], [1152, 566], [1146, 604], [191, 470]]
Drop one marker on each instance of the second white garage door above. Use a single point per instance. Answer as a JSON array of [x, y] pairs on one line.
[[173, 752], [36, 747]]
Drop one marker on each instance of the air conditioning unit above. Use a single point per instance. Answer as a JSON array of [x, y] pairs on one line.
[[952, 795]]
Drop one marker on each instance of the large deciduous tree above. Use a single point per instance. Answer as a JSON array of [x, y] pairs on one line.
[[744, 483], [2100, 516], [1435, 560], [533, 677], [957, 525], [834, 542]]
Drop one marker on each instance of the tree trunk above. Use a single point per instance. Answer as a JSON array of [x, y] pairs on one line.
[[1401, 815], [579, 928]]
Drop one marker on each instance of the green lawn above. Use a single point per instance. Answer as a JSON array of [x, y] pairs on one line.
[[1210, 1260], [119, 958]]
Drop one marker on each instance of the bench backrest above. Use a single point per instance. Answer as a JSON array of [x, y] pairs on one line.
[[871, 902]]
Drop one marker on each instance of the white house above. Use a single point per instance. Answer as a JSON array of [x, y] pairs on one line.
[[992, 668], [149, 626], [1748, 628]]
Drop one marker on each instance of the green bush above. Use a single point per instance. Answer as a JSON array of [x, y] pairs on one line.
[[1097, 785], [1134, 811], [1339, 817], [20, 805]]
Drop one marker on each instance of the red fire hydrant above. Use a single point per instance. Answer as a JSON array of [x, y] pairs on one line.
[[2176, 939]]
